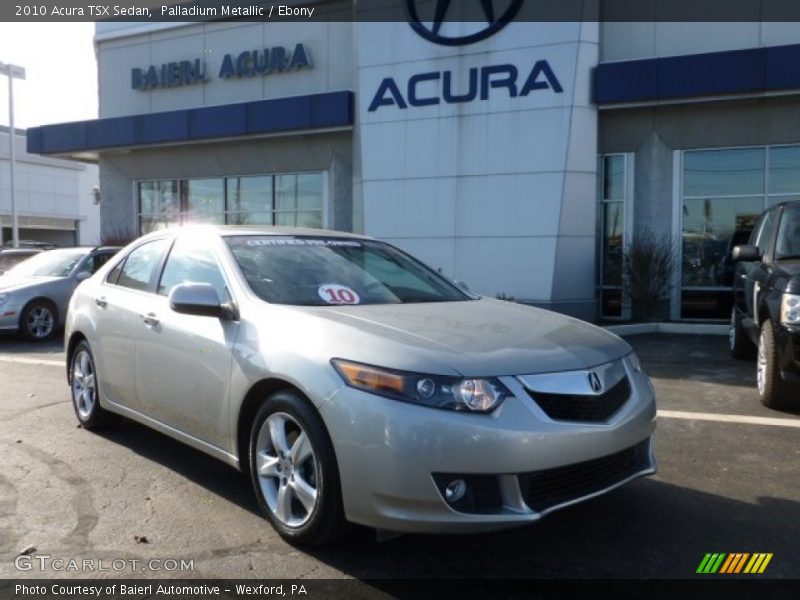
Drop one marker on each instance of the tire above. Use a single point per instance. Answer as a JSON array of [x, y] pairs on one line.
[[39, 321], [741, 346], [773, 391], [84, 389], [296, 479]]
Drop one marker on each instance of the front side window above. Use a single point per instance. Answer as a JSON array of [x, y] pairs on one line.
[[140, 265], [788, 243], [191, 261], [763, 231], [313, 271]]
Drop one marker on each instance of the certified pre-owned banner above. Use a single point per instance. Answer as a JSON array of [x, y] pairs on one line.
[[399, 10]]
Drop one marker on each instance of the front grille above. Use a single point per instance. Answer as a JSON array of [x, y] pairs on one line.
[[589, 409], [551, 487]]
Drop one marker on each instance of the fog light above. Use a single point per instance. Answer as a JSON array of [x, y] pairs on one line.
[[455, 490]]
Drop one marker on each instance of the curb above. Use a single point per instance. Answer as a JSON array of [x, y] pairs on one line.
[[677, 328]]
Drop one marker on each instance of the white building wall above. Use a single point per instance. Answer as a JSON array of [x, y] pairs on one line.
[[499, 192], [630, 41], [49, 188], [330, 46]]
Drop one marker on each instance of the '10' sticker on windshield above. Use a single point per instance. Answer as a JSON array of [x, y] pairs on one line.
[[333, 293]]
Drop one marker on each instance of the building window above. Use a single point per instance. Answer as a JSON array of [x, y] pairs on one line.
[[614, 201], [295, 199], [723, 193]]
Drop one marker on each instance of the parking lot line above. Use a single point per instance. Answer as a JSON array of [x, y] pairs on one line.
[[32, 361], [745, 419]]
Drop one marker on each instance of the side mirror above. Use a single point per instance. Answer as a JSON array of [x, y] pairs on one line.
[[199, 299], [745, 253], [83, 275]]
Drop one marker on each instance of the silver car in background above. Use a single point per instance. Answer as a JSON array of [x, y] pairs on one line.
[[34, 294], [353, 383]]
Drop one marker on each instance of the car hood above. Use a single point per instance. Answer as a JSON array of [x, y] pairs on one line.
[[10, 284], [482, 337]]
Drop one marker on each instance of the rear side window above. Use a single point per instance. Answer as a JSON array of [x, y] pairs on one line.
[[138, 269]]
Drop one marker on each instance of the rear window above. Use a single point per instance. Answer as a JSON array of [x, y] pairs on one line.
[[318, 271]]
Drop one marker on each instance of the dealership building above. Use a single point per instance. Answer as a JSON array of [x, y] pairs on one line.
[[521, 158]]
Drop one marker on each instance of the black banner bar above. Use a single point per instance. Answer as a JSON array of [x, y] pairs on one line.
[[398, 10], [729, 587]]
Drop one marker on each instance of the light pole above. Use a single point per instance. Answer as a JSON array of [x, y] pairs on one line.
[[12, 71]]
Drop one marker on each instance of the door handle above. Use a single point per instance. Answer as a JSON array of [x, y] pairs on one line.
[[150, 319], [101, 302]]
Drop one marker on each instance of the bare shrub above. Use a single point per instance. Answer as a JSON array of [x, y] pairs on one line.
[[647, 266]]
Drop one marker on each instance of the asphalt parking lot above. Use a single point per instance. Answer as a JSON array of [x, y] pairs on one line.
[[728, 481]]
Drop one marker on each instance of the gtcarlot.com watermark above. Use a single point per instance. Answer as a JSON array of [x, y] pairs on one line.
[[46, 562]]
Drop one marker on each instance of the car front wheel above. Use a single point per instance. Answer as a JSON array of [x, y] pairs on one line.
[[85, 390], [294, 471], [740, 344], [773, 391]]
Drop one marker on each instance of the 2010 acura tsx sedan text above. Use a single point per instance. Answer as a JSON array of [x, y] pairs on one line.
[[353, 383]]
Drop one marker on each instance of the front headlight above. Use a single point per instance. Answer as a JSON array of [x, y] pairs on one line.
[[477, 395], [3, 299], [790, 309]]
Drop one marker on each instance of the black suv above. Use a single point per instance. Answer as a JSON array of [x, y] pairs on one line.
[[766, 314]]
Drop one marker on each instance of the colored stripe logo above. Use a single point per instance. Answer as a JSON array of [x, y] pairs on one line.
[[734, 563]]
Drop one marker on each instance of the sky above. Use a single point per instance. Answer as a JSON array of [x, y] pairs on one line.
[[61, 72]]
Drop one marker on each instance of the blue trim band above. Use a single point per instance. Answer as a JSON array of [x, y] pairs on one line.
[[755, 70], [298, 113]]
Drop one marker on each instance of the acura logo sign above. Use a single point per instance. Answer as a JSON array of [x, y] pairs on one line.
[[496, 13], [595, 383]]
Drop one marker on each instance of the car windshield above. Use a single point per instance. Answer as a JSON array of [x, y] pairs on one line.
[[54, 263], [8, 260], [788, 244], [318, 271]]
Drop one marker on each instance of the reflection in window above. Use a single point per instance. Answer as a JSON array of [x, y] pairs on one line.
[[205, 201], [291, 199], [724, 192], [708, 227], [784, 170], [613, 239], [723, 172]]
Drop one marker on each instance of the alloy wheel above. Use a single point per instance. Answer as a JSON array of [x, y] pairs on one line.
[[84, 388], [40, 322], [287, 469]]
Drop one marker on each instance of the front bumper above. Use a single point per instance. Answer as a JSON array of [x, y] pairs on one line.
[[9, 318], [788, 340], [391, 456]]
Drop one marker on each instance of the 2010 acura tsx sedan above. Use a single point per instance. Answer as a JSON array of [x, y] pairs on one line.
[[353, 383]]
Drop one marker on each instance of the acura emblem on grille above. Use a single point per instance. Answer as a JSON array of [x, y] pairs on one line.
[[595, 383]]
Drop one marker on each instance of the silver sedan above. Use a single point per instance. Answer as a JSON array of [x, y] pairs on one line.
[[34, 294], [355, 384]]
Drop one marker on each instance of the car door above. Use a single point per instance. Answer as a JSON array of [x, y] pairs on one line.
[[118, 300], [183, 362], [753, 274]]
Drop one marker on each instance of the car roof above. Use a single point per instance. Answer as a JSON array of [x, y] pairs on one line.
[[21, 250], [235, 230]]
